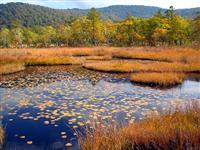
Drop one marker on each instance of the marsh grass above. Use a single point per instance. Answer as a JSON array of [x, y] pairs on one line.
[[142, 66], [57, 60], [177, 129], [158, 79], [11, 68], [57, 52], [169, 55], [1, 136], [161, 54], [179, 59], [98, 57]]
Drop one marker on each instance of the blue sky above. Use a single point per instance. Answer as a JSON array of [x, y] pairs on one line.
[[63, 4]]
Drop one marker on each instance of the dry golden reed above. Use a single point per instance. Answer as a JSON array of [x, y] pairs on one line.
[[178, 59], [177, 130], [161, 54], [57, 60], [142, 66], [1, 136], [11, 68], [158, 79]]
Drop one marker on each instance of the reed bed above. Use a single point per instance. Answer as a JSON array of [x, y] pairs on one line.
[[1, 136], [140, 66], [169, 55], [177, 129], [159, 54], [57, 52], [14, 64], [158, 79], [11, 68], [99, 57], [57, 60], [179, 59]]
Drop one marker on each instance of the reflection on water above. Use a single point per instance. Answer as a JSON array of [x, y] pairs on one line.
[[46, 107], [191, 87]]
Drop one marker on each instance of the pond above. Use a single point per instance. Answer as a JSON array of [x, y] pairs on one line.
[[45, 108]]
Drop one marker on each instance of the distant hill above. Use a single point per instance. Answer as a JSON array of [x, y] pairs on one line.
[[31, 15], [122, 11]]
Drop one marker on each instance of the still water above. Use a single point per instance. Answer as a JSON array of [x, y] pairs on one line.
[[44, 108]]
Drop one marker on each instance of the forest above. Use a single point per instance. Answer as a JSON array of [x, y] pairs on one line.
[[166, 29]]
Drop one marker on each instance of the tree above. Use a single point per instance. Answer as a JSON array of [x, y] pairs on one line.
[[110, 31], [178, 32], [46, 36], [156, 30], [195, 26], [127, 32], [29, 37], [5, 38], [80, 32], [16, 34], [95, 27], [170, 13], [63, 34]]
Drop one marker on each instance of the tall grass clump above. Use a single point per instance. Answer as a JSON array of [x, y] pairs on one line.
[[141, 66], [1, 136], [178, 129], [158, 79], [11, 68], [56, 60], [169, 55]]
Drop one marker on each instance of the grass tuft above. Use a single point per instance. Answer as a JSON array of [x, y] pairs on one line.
[[158, 79], [141, 66], [56, 60], [11, 68], [1, 136], [99, 57]]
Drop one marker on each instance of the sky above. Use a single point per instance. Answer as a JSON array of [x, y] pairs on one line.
[[84, 4]]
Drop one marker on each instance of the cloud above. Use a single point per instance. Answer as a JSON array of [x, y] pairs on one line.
[[101, 3]]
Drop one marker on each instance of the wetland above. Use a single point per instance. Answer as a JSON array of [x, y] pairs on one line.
[[49, 107]]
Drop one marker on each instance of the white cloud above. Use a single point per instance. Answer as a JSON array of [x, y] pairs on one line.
[[102, 3]]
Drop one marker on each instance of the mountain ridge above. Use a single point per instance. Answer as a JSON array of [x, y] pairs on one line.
[[33, 15]]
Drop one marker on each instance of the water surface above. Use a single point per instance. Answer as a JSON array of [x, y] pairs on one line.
[[50, 105]]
